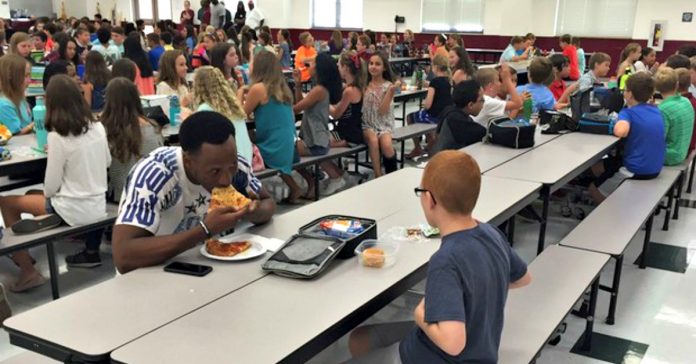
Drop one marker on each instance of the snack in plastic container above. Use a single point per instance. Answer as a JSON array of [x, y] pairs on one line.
[[376, 254], [344, 229]]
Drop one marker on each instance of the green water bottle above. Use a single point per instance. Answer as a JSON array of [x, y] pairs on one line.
[[527, 109], [419, 78]]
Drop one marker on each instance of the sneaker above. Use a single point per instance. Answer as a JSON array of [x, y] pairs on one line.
[[5, 309], [83, 259], [334, 185], [36, 224]]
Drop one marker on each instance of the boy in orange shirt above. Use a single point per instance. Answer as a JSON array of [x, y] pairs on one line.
[[305, 54]]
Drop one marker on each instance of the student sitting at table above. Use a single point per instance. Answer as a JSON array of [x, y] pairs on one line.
[[378, 118], [172, 76], [642, 127], [97, 76], [460, 65], [630, 55], [529, 40], [678, 115], [571, 53], [212, 92], [677, 61], [269, 99], [131, 136], [561, 70], [647, 61], [144, 75], [599, 66], [438, 47], [284, 47], [265, 43], [575, 41], [315, 137], [454, 41], [15, 113], [181, 179], [154, 43], [336, 43], [492, 81], [363, 48], [684, 80], [510, 53], [438, 98], [58, 67], [458, 128], [76, 180], [20, 44], [348, 111], [225, 57], [540, 73], [124, 67], [305, 54], [460, 319], [110, 52], [39, 42]]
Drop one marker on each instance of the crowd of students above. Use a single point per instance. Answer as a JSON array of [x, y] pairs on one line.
[[96, 68]]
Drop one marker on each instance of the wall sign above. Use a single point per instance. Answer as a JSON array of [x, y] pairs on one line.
[[687, 17]]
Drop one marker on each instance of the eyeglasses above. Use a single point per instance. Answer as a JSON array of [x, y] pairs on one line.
[[419, 191]]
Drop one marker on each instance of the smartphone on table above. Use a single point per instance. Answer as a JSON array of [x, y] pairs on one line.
[[191, 269]]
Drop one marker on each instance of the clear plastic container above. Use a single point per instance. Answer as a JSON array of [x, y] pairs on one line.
[[377, 254]]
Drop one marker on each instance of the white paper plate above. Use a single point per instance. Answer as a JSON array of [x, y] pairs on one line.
[[256, 249]]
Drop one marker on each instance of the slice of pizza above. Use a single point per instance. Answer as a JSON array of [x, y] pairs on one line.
[[222, 249], [227, 197]]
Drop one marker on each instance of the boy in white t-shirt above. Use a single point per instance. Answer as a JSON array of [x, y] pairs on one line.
[[492, 81]]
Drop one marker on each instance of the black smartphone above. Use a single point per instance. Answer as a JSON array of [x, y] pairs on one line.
[[188, 268]]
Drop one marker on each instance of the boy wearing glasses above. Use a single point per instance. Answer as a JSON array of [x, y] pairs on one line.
[[460, 319]]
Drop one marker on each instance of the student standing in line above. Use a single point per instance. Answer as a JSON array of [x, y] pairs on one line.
[[378, 117], [270, 100], [97, 76], [460, 65], [642, 127], [284, 47], [630, 54], [438, 98], [315, 137], [144, 75], [678, 115], [460, 319], [15, 114], [76, 180]]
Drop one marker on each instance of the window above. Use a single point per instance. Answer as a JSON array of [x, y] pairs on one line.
[[596, 18], [452, 15], [337, 14], [152, 10]]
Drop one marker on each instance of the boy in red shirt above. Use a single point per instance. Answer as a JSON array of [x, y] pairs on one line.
[[571, 52], [561, 71]]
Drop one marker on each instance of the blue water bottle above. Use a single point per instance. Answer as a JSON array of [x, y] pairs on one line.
[[39, 113], [174, 109]]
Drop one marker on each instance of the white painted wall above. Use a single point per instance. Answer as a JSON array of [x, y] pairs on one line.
[[4, 9], [670, 10]]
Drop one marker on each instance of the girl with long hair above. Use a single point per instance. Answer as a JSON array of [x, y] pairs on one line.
[[97, 76], [144, 75]]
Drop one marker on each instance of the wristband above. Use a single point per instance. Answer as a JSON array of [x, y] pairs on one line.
[[205, 229]]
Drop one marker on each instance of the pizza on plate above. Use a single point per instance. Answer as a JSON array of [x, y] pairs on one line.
[[222, 249], [227, 197]]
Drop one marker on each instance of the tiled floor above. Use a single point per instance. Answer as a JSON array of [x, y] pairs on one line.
[[656, 308]]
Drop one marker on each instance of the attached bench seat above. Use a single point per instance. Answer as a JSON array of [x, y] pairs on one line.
[[560, 277], [613, 224], [404, 133], [11, 243], [29, 357]]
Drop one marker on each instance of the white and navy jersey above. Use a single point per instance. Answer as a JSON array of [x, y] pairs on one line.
[[159, 197]]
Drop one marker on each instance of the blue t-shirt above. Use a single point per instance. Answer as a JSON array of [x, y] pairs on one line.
[[154, 55], [508, 53], [468, 279], [9, 116], [644, 148], [542, 97]]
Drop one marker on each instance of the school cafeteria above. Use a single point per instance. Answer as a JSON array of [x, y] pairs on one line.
[[347, 181]]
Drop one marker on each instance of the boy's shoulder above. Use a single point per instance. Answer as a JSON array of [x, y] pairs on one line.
[[458, 245]]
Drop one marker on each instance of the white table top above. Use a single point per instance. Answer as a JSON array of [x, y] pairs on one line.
[[263, 326], [559, 278], [551, 162], [128, 305], [23, 143], [612, 225], [490, 155]]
